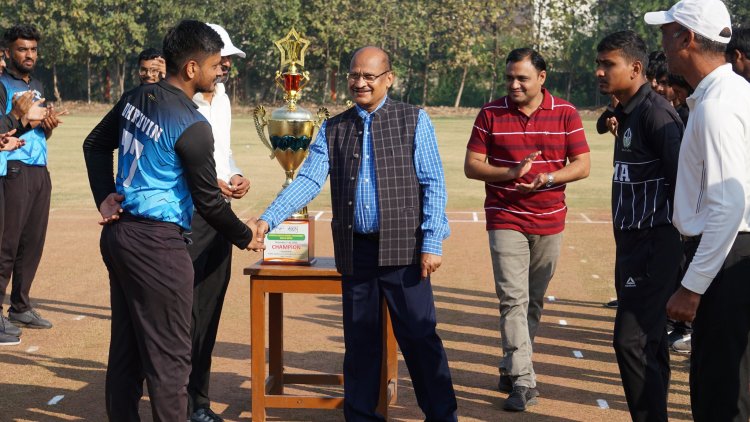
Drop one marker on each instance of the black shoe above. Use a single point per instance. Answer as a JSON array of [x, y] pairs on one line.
[[6, 327], [205, 415], [505, 384], [520, 397], [8, 340], [611, 304], [30, 319]]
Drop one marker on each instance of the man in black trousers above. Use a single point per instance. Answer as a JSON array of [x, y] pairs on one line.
[[165, 167], [27, 184], [648, 248]]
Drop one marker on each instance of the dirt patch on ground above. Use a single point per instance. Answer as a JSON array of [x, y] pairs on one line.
[[70, 359]]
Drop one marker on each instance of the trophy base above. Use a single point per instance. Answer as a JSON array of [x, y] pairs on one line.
[[291, 243]]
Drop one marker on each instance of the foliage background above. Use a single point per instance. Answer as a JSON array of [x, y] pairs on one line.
[[445, 52]]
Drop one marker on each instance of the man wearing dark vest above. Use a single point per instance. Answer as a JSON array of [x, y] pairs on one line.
[[388, 198]]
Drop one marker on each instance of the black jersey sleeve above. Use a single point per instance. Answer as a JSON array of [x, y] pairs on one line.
[[195, 147], [666, 129], [97, 152]]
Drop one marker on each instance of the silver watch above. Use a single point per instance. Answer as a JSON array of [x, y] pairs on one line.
[[550, 180]]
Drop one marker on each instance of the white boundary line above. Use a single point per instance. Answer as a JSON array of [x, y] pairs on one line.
[[325, 215]]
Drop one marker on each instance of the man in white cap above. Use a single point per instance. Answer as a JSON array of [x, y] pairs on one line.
[[210, 251], [712, 208]]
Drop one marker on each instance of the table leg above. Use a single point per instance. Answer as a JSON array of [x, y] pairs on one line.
[[389, 365], [391, 351], [258, 351], [276, 342]]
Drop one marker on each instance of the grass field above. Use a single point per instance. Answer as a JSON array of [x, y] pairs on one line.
[[71, 290], [71, 185]]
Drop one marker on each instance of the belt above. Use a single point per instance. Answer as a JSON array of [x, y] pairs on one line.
[[372, 237]]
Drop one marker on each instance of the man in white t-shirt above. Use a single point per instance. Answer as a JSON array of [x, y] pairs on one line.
[[210, 251], [712, 208]]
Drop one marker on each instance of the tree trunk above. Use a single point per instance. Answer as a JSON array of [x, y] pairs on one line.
[[55, 87], [333, 85], [495, 59], [122, 78], [88, 79], [107, 86], [426, 78], [461, 87], [409, 82], [569, 86]]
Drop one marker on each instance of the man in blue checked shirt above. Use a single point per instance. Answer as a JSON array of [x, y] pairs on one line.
[[388, 198]]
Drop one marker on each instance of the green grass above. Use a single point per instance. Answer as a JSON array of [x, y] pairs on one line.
[[71, 189]]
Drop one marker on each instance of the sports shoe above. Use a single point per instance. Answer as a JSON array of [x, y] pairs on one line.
[[505, 384], [683, 345], [8, 340], [30, 318], [6, 327], [611, 304], [678, 334], [520, 397], [205, 415]]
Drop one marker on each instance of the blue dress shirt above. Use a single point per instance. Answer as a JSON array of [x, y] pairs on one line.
[[313, 173]]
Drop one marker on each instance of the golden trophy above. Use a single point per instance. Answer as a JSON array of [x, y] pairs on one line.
[[290, 130]]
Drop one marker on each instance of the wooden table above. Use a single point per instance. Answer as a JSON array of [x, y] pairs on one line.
[[268, 392]]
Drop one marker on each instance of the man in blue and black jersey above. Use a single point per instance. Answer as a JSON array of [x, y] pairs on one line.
[[648, 248], [12, 125], [165, 168], [27, 183]]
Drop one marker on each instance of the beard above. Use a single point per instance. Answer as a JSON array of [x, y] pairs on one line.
[[207, 87]]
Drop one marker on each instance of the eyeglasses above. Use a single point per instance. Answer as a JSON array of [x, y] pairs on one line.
[[366, 76], [149, 72]]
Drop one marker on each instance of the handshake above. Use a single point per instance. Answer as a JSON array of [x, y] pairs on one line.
[[259, 228]]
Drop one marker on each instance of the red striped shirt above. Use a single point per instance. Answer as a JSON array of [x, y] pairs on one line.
[[506, 136]]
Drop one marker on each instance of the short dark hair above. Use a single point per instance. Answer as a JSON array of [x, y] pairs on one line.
[[678, 80], [520, 54], [150, 54], [740, 41], [657, 65], [706, 45], [190, 39], [629, 43], [22, 31]]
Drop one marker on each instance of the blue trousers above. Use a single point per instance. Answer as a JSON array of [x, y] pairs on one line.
[[412, 308]]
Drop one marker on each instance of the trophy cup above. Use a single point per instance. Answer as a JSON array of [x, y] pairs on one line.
[[290, 130]]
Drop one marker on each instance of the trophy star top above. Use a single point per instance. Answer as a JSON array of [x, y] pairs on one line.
[[292, 48]]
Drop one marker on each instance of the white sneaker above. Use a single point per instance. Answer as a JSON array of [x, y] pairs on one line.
[[682, 345]]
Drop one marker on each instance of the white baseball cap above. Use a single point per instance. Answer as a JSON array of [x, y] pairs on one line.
[[708, 18], [229, 48]]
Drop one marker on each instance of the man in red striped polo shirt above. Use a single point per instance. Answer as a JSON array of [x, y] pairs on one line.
[[526, 147]]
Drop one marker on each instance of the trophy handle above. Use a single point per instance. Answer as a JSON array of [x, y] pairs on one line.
[[259, 114], [279, 79], [305, 80], [322, 115]]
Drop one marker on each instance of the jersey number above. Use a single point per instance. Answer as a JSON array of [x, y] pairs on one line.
[[130, 145]]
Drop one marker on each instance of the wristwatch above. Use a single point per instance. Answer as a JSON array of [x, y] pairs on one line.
[[550, 180]]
